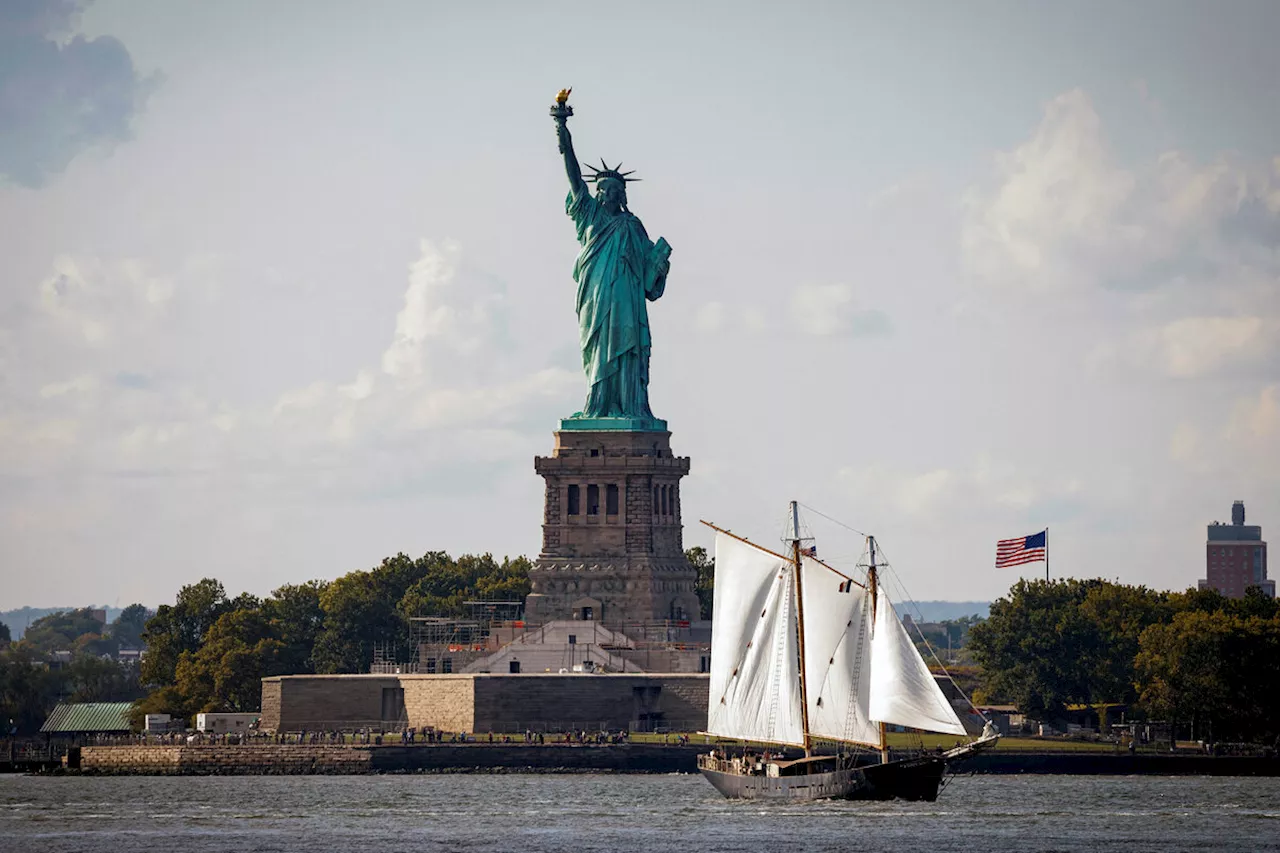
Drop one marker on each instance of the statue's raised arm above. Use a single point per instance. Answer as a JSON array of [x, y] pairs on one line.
[[561, 111]]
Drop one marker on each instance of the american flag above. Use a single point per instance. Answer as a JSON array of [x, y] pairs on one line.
[[1024, 549]]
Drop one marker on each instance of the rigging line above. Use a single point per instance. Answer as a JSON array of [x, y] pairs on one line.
[[832, 520], [916, 622]]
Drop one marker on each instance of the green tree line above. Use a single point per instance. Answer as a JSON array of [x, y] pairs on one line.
[[1191, 657], [209, 652]]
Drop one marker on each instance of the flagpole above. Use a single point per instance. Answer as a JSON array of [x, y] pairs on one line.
[[1046, 555]]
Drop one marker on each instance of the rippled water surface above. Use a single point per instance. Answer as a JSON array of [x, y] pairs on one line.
[[383, 814]]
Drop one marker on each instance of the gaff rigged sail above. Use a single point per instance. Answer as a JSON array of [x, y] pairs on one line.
[[754, 690]]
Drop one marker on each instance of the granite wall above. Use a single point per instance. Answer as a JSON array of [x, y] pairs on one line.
[[485, 702]]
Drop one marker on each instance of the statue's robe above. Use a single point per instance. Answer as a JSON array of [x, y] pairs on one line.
[[617, 270]]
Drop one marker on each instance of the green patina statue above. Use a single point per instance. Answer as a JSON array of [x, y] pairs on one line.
[[617, 270]]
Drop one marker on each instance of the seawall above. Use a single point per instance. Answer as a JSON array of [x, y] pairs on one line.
[[1122, 764], [293, 759], [259, 760]]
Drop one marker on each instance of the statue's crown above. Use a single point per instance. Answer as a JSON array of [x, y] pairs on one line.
[[605, 172]]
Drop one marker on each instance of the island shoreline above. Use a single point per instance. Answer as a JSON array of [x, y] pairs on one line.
[[295, 759]]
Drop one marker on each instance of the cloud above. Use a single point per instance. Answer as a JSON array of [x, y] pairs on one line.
[[1182, 255], [710, 317], [441, 316], [97, 333], [1238, 447], [830, 310], [1194, 347], [79, 385], [984, 488], [717, 317], [59, 98], [1256, 420], [1064, 214]]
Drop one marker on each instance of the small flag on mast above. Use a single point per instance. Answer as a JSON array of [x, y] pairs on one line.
[[1024, 549]]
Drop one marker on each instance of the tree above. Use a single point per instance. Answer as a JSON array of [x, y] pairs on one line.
[[226, 672], [443, 585], [129, 626], [364, 608], [507, 581], [1218, 670], [5, 637], [180, 628], [95, 645], [27, 690], [356, 615], [89, 678], [1256, 603], [297, 618], [706, 582], [1119, 614], [1051, 644], [162, 700], [59, 631]]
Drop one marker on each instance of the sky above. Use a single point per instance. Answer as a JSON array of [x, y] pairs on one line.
[[286, 288]]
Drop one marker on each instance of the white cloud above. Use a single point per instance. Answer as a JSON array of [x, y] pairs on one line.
[[359, 389], [982, 486], [100, 300], [1056, 191], [1257, 420], [439, 313], [710, 317], [1173, 263], [104, 421], [1063, 213], [918, 493], [1193, 347], [1235, 446], [830, 310], [754, 319], [79, 385]]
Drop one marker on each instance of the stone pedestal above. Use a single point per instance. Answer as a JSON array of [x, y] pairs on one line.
[[612, 545]]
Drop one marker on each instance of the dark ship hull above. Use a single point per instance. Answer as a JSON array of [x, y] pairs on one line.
[[917, 778]]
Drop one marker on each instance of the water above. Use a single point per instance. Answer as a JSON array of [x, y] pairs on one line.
[[387, 814]]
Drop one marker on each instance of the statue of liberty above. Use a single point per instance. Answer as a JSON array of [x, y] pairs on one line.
[[617, 270]]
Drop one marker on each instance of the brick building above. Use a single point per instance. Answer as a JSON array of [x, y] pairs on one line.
[[1236, 557]]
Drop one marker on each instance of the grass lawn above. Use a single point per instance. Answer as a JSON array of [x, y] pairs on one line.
[[898, 740]]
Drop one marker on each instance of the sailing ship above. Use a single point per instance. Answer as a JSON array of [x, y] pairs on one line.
[[804, 655]]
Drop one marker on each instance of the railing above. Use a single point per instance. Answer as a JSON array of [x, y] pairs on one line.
[[32, 750], [503, 731]]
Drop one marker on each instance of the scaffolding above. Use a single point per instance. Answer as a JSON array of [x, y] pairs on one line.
[[445, 644]]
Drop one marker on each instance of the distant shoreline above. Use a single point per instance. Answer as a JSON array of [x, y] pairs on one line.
[[293, 759]]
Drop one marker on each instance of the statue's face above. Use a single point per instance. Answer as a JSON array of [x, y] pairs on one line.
[[612, 194]]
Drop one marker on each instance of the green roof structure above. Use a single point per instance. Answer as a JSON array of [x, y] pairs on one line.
[[82, 717]]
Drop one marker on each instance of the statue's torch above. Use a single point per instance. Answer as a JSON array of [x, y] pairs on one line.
[[561, 110]]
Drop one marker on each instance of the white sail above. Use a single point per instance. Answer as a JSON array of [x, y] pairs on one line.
[[754, 690], [903, 690], [837, 656]]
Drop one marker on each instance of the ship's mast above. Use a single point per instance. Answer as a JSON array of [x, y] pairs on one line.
[[795, 556], [873, 584]]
